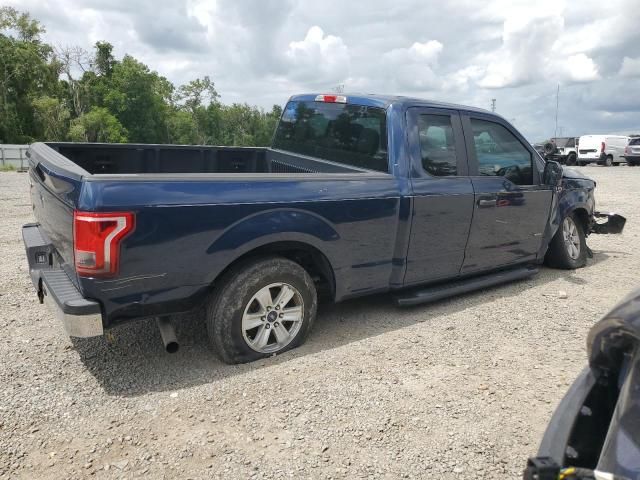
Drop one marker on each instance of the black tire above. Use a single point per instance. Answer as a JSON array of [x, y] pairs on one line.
[[581, 164], [632, 163], [558, 254], [549, 148], [571, 160], [232, 296], [608, 161]]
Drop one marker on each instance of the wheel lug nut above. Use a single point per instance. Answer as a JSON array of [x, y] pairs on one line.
[[276, 324], [267, 326], [263, 318], [281, 315], [268, 309], [277, 307]]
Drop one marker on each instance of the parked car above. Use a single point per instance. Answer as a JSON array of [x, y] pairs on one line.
[[602, 149], [595, 430], [632, 152], [559, 149], [358, 195]]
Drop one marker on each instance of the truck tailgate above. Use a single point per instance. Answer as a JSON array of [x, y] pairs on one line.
[[54, 194]]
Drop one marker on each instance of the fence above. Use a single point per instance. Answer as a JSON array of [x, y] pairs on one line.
[[13, 156]]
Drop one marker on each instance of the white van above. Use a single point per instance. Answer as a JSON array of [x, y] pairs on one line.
[[602, 149]]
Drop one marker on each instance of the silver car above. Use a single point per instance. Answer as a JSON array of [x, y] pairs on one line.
[[632, 152]]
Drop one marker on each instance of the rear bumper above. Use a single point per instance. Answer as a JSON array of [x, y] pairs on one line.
[[592, 157], [81, 317]]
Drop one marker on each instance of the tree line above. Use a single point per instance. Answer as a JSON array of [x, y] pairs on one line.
[[50, 93]]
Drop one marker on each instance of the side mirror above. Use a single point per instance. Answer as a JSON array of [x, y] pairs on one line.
[[552, 173]]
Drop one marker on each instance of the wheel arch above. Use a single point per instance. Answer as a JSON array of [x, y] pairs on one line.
[[308, 256]]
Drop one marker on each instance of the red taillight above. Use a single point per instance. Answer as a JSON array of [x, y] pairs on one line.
[[627, 151], [96, 241], [602, 147], [331, 98]]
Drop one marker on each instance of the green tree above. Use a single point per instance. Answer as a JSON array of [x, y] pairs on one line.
[[182, 129], [27, 70], [52, 117], [98, 125], [104, 61], [139, 98]]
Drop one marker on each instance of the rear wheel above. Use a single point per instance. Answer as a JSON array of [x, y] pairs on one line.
[[571, 159], [261, 308], [568, 248]]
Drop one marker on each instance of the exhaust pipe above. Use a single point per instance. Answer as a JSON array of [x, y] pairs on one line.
[[168, 334]]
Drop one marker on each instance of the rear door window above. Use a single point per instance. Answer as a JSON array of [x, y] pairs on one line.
[[437, 145], [354, 135]]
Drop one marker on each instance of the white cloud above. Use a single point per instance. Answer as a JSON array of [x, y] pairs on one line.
[[318, 58], [525, 51], [411, 68], [630, 67], [580, 68]]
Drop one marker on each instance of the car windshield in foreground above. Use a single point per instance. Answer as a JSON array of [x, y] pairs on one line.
[[354, 135]]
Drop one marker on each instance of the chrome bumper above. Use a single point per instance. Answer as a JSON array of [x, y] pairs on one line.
[[81, 317]]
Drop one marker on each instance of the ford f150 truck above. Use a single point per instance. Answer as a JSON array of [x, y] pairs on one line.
[[357, 195]]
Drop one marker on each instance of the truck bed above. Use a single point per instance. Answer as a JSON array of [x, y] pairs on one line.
[[98, 159]]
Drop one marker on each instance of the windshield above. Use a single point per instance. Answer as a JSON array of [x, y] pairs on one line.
[[350, 134]]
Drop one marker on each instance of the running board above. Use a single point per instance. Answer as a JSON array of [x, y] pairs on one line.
[[438, 292]]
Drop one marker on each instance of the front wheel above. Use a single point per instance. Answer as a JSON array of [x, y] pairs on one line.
[[261, 308], [608, 161], [568, 248], [571, 160]]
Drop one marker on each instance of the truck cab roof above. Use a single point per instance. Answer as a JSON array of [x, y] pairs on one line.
[[384, 101]]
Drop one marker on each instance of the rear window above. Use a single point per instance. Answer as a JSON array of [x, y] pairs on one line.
[[349, 134], [634, 141]]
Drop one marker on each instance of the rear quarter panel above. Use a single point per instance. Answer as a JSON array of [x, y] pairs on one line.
[[184, 240]]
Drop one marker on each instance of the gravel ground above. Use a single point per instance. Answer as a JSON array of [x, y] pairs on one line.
[[460, 389]]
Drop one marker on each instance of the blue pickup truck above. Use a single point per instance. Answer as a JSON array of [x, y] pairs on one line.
[[357, 195]]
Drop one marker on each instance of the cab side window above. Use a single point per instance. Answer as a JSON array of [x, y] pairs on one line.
[[437, 145], [500, 153]]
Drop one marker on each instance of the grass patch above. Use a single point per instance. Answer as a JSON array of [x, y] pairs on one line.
[[7, 168]]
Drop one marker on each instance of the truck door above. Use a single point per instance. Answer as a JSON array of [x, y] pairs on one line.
[[442, 195], [511, 207]]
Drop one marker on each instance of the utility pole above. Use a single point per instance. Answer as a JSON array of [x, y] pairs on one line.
[[493, 105], [555, 133]]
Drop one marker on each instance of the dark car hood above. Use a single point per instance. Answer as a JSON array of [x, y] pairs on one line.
[[568, 172]]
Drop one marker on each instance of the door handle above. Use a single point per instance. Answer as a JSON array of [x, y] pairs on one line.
[[487, 202]]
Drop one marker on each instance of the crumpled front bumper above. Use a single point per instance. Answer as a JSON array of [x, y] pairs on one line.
[[614, 223]]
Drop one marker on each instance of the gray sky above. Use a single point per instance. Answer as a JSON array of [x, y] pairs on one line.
[[462, 51]]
